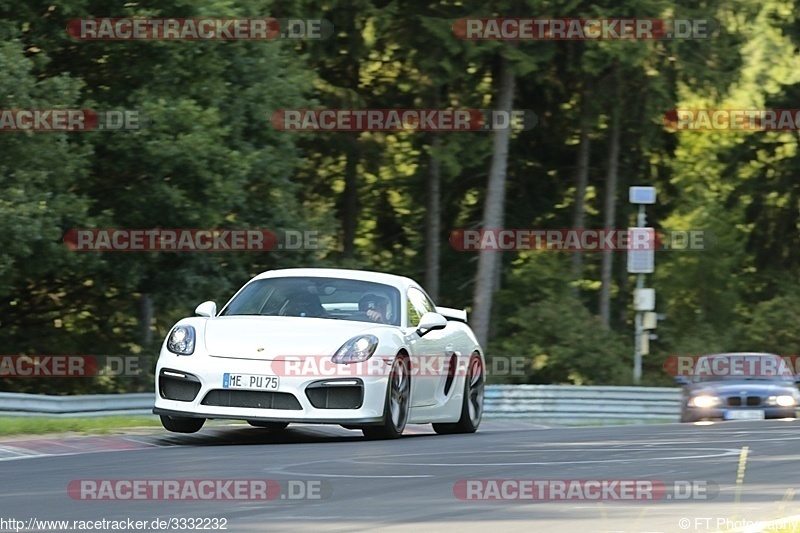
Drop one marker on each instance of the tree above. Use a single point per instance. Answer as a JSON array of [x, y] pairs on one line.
[[488, 260]]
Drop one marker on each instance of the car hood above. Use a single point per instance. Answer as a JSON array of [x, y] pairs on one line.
[[743, 388], [265, 337]]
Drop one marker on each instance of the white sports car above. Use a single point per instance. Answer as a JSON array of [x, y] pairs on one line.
[[365, 350]]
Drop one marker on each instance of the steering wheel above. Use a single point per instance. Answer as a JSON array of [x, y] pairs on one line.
[[362, 316]]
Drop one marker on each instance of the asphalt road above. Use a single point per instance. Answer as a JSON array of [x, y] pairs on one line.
[[409, 483]]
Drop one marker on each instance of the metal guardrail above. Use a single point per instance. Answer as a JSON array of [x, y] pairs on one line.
[[578, 405], [29, 405], [552, 404]]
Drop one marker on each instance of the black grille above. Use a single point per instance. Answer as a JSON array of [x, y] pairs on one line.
[[176, 388], [750, 401], [252, 399], [336, 396]]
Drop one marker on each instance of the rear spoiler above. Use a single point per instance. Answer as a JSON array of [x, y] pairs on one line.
[[454, 314]]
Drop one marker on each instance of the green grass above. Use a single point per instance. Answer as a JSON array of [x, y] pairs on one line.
[[98, 425]]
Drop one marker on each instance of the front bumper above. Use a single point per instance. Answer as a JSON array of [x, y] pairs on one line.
[[310, 399], [696, 414], [196, 414]]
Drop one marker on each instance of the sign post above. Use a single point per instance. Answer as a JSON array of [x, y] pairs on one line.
[[641, 262]]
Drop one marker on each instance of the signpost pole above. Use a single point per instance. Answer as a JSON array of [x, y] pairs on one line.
[[641, 262], [638, 330]]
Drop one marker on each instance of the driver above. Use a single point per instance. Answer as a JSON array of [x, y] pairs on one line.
[[304, 304], [374, 306]]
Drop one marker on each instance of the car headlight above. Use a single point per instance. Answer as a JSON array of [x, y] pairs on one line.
[[784, 400], [356, 350], [181, 340], [703, 401]]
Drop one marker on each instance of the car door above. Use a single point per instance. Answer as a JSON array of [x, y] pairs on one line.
[[429, 353]]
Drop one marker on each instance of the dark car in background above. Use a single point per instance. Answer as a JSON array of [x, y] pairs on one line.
[[739, 386]]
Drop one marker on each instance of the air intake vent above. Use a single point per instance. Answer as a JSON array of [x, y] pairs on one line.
[[329, 395], [252, 399], [180, 386]]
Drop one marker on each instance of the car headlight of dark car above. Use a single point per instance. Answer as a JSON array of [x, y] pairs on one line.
[[782, 400], [704, 401]]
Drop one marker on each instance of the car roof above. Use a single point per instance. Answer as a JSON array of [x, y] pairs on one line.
[[400, 282]]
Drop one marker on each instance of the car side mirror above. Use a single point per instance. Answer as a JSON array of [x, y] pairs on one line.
[[208, 309], [682, 380], [430, 321]]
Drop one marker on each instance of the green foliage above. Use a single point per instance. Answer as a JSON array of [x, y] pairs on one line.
[[773, 326], [538, 317], [209, 158]]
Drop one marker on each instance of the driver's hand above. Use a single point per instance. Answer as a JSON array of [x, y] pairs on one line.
[[374, 315]]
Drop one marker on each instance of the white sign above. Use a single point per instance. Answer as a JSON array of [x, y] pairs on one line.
[[641, 250], [649, 320], [644, 299], [642, 195], [641, 261]]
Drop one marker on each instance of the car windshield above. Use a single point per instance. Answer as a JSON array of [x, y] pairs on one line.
[[742, 367], [316, 297]]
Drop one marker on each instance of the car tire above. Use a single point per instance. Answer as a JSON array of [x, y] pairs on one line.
[[273, 426], [472, 403], [179, 424], [397, 404]]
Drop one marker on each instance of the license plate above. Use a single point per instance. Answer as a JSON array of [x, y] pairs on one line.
[[250, 381], [754, 414]]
